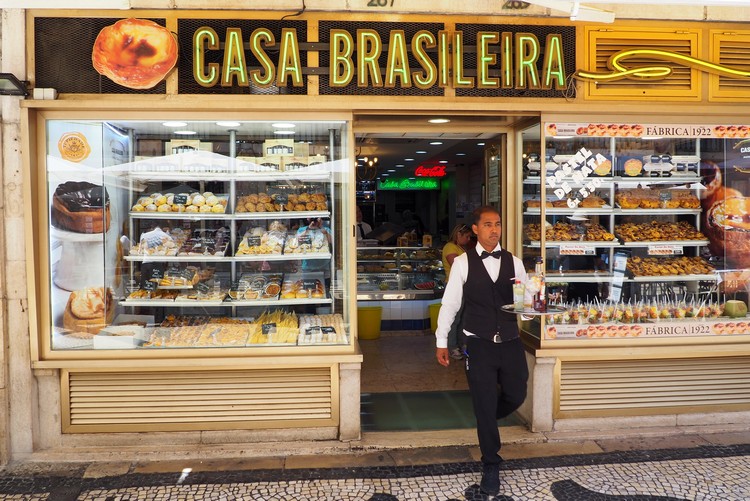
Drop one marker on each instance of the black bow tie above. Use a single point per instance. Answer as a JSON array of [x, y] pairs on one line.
[[495, 254]]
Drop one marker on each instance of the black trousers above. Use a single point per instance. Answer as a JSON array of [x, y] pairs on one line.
[[497, 376]]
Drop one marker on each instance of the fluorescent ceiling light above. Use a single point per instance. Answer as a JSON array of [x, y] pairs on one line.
[[443, 161], [228, 124], [460, 154], [282, 125], [185, 132], [408, 159], [174, 124], [480, 144], [438, 120], [421, 152], [436, 143], [284, 132]]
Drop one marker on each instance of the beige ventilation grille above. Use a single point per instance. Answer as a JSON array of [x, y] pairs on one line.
[[682, 84], [731, 50], [590, 388], [221, 399]]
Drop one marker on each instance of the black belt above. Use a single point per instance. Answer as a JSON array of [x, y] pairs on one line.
[[496, 338]]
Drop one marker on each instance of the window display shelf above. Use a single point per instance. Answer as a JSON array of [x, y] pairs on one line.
[[281, 257], [683, 243], [583, 243], [178, 259], [241, 216]]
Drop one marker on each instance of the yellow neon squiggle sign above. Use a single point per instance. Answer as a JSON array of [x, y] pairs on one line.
[[654, 72]]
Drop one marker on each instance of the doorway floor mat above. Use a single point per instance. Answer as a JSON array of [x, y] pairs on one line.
[[428, 410]]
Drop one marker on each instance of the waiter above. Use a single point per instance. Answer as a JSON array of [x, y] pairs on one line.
[[496, 367], [363, 228]]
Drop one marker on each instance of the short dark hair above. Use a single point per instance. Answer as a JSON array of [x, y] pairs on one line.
[[477, 214]]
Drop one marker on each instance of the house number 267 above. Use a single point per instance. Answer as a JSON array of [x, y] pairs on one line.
[[380, 3]]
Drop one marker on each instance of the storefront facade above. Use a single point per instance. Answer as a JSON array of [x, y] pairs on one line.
[[323, 73]]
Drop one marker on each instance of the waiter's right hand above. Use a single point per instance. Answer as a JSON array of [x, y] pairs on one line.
[[443, 356]]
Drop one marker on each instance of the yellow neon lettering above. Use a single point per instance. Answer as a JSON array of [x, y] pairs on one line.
[[458, 62], [527, 53], [340, 66], [369, 48], [424, 40], [486, 59], [506, 49], [398, 60], [234, 59], [265, 76], [289, 60], [205, 38], [444, 60], [554, 63]]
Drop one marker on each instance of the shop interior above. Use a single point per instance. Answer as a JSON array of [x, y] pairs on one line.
[[403, 387]]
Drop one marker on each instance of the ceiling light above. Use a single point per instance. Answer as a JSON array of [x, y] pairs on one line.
[[460, 154], [561, 137], [228, 124], [284, 132], [391, 170], [438, 120], [436, 143], [174, 124], [408, 159], [421, 152], [399, 165], [443, 161], [185, 132], [480, 144], [282, 125]]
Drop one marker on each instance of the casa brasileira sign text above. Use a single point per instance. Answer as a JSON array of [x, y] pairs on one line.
[[504, 60]]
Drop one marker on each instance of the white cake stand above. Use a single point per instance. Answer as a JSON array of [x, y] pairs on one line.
[[81, 261]]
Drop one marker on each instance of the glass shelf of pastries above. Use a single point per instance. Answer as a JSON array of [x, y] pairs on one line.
[[399, 273], [629, 243], [226, 241]]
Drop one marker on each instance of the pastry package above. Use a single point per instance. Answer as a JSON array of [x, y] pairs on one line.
[[314, 241], [298, 287], [322, 329], [159, 242], [206, 242], [89, 310], [256, 287], [268, 242], [277, 327]]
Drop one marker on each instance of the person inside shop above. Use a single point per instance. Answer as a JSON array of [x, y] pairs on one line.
[[363, 228], [481, 279], [459, 240], [412, 224]]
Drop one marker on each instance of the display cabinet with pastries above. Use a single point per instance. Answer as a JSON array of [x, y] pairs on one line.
[[199, 247], [391, 273], [625, 238]]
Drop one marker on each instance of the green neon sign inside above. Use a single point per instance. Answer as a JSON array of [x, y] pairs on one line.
[[409, 184]]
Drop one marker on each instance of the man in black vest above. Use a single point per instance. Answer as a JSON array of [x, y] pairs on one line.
[[496, 362]]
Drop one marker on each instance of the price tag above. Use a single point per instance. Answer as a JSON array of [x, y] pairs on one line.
[[267, 329], [621, 261], [665, 250], [304, 240], [157, 273], [282, 198], [203, 288], [327, 329], [150, 286], [187, 274], [180, 199], [310, 284], [316, 329], [253, 241], [235, 285], [577, 250]]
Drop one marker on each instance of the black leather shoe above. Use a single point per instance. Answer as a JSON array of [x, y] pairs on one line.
[[490, 484]]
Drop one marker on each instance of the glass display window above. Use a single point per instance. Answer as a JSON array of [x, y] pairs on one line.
[[197, 234], [642, 229]]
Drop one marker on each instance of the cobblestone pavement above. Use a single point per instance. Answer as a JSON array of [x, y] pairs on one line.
[[699, 473]]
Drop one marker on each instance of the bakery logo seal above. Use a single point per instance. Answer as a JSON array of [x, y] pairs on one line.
[[74, 147]]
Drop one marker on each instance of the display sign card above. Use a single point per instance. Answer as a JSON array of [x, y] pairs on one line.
[[315, 329], [267, 329], [203, 288], [150, 285], [577, 250], [665, 250], [180, 199], [667, 328]]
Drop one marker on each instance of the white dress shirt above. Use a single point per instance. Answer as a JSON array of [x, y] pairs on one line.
[[454, 290], [362, 230]]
